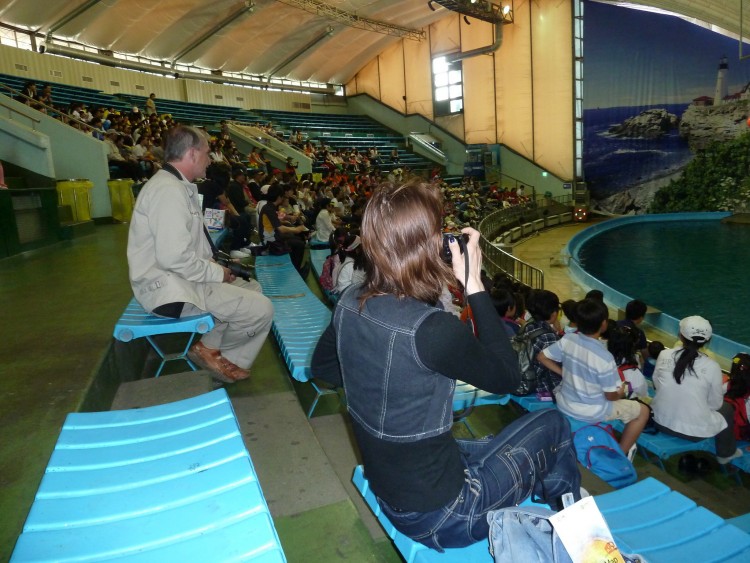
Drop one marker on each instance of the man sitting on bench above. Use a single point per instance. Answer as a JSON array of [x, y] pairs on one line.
[[172, 271]]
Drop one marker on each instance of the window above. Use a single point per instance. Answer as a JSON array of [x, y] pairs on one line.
[[14, 38], [448, 89]]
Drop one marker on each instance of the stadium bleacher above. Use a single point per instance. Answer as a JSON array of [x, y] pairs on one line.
[[65, 94]]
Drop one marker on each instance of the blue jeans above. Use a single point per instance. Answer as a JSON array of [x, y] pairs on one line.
[[532, 455]]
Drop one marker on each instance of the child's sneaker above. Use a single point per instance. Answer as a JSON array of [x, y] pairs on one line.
[[631, 452]]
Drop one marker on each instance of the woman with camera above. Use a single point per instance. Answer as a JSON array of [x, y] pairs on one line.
[[398, 356]]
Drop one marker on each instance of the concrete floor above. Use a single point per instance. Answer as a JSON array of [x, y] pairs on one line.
[[60, 305]]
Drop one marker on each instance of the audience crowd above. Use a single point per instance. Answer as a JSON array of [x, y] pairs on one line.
[[614, 363]]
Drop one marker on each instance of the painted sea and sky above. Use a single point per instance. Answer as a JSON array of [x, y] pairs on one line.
[[634, 61]]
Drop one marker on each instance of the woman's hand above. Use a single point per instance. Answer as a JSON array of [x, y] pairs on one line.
[[474, 282]]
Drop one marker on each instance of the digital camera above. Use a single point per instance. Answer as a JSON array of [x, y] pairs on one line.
[[461, 238], [236, 268]]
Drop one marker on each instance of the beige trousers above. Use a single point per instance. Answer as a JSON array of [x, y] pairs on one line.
[[243, 318]]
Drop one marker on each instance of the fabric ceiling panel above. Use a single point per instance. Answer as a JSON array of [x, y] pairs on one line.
[[418, 78], [513, 84], [161, 29], [553, 86], [392, 85], [368, 80], [479, 83], [445, 36]]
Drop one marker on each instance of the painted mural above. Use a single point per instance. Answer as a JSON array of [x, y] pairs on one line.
[[665, 113]]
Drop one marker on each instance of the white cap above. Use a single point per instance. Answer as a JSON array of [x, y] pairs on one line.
[[696, 328]]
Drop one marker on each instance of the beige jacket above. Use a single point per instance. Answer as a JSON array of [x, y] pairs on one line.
[[169, 256]]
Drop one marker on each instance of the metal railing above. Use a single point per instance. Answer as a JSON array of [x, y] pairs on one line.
[[497, 260], [49, 110]]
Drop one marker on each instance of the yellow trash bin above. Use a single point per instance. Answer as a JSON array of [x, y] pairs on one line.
[[76, 194], [121, 195]]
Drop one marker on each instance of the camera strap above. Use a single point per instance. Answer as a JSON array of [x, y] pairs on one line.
[[466, 275], [214, 251]]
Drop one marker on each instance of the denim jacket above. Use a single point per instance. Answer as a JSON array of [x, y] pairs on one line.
[[395, 398]]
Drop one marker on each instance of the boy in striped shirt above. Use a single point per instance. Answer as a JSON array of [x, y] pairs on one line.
[[591, 389]]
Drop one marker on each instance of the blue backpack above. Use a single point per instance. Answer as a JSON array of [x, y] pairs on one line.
[[598, 451]]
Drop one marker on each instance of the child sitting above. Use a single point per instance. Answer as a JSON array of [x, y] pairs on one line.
[[623, 345], [738, 395], [505, 305], [591, 390], [654, 349], [569, 310]]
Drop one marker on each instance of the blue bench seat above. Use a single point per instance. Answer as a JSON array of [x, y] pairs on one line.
[[299, 318], [135, 322], [172, 482], [646, 518], [531, 403]]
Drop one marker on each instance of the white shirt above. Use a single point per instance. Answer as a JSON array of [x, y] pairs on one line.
[[345, 275], [323, 226], [691, 406], [637, 381]]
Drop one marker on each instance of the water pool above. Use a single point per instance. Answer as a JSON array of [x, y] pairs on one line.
[[680, 267]]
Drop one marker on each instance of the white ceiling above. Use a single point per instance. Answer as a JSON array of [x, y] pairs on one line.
[[258, 42]]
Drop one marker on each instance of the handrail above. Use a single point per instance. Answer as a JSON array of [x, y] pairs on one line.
[[11, 108], [53, 109], [416, 138], [495, 259]]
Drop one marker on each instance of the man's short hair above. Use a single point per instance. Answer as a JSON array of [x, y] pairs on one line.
[[542, 303], [180, 140], [274, 193], [590, 314], [635, 309]]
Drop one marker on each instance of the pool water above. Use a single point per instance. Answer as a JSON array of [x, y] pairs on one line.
[[682, 268]]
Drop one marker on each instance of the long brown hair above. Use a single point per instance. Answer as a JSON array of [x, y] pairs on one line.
[[401, 239]]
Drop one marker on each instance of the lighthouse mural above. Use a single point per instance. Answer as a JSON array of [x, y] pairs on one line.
[[722, 89]]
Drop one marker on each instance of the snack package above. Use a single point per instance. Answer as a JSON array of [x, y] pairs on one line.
[[585, 534], [214, 219]]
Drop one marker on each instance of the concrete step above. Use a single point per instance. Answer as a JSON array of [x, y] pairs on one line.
[[69, 231], [161, 390]]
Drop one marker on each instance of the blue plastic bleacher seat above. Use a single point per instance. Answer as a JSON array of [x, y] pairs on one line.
[[172, 482], [645, 518], [299, 318], [743, 462], [135, 322], [531, 403]]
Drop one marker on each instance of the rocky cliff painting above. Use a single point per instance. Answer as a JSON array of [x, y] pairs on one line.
[[658, 92]]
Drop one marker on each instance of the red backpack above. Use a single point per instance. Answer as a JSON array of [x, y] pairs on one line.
[[326, 276], [741, 423]]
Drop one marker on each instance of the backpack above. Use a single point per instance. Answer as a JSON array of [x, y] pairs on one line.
[[326, 275], [621, 371], [598, 451], [741, 423], [523, 345]]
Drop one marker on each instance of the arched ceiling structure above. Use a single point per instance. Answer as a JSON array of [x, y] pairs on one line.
[[296, 39]]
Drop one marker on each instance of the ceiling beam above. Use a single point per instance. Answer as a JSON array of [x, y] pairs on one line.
[[246, 8], [70, 16], [302, 50], [352, 20]]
